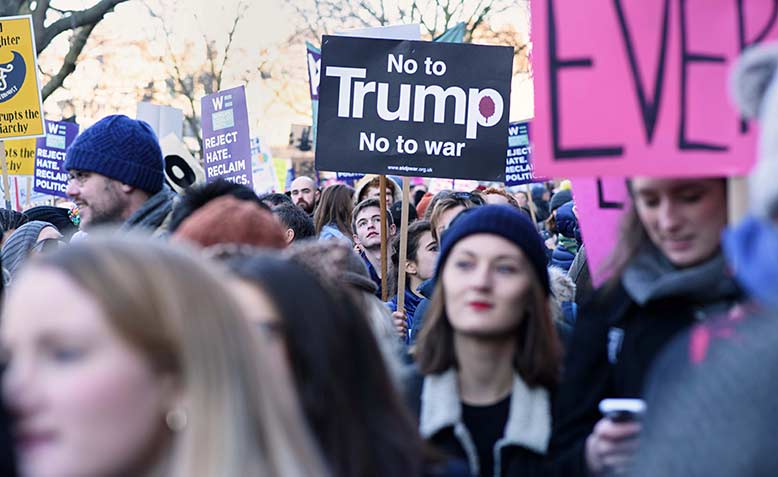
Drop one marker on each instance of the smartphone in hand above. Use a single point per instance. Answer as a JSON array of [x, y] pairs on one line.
[[623, 410]]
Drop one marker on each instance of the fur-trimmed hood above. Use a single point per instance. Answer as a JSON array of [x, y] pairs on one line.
[[529, 419], [754, 89]]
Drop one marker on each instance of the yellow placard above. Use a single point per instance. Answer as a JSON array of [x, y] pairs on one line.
[[281, 167], [21, 108], [20, 156]]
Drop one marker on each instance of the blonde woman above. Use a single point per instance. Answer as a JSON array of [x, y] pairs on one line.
[[138, 363]]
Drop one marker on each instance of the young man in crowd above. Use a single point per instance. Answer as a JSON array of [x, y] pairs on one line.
[[369, 187], [304, 194], [117, 176], [366, 225]]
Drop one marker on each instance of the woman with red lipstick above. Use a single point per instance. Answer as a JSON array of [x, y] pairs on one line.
[[668, 272], [489, 351], [138, 363]]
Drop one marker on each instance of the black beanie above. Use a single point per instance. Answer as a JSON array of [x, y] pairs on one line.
[[57, 216], [560, 198], [504, 221]]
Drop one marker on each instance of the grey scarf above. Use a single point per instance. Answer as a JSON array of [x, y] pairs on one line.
[[650, 276]]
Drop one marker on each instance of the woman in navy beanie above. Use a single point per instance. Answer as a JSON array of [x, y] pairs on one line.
[[489, 352]]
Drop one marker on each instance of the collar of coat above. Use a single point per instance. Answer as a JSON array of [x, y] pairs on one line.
[[529, 418]]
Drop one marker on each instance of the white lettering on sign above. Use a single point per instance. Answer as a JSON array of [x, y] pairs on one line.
[[440, 96], [221, 139], [3, 70], [51, 185], [371, 143], [477, 107], [217, 155], [397, 64], [224, 169], [49, 154]]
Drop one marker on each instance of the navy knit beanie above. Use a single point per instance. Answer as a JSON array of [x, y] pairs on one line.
[[501, 220], [120, 148]]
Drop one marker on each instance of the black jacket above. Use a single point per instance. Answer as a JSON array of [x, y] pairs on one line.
[[7, 458], [614, 344]]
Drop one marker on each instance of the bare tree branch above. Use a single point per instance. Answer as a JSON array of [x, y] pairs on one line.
[[186, 89], [11, 7], [69, 63], [242, 7], [372, 12], [76, 19], [310, 25], [39, 15]]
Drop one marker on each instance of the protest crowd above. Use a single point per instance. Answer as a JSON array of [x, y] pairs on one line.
[[384, 326]]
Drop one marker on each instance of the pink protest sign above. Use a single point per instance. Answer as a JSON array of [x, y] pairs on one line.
[[600, 203], [636, 87]]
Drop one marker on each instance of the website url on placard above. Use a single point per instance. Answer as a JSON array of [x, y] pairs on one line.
[[419, 170]]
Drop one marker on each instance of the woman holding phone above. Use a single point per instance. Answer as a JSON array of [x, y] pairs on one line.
[[668, 272]]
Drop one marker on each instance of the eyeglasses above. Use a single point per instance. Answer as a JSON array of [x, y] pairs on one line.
[[79, 177]]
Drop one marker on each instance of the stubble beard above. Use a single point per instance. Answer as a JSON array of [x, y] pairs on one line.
[[109, 211]]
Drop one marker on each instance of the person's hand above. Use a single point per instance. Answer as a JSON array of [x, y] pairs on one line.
[[400, 323], [358, 248], [611, 447]]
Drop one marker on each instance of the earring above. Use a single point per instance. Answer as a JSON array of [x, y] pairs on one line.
[[176, 419]]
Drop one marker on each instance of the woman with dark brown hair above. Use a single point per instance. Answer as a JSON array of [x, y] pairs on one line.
[[667, 273], [489, 351], [333, 215]]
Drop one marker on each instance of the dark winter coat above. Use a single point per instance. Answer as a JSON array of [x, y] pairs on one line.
[[580, 274], [569, 237], [542, 209], [7, 458], [614, 344], [562, 257], [435, 400], [155, 214], [412, 301], [373, 274], [426, 289]]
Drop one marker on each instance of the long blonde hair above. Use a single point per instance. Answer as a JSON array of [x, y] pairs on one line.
[[243, 419]]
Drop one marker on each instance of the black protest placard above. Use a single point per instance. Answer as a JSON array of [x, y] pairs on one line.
[[413, 108]]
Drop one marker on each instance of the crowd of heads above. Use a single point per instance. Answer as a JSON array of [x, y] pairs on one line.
[[223, 331], [216, 331]]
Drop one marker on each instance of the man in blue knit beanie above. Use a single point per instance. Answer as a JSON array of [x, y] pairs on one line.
[[116, 176]]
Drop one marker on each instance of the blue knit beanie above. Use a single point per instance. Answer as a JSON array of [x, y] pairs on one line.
[[501, 220], [120, 148]]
